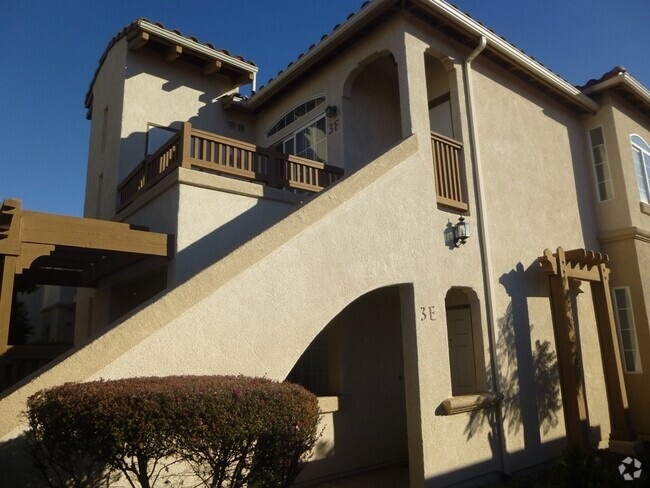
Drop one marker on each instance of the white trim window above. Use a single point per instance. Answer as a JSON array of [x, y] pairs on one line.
[[295, 113], [309, 141], [601, 165], [641, 158], [626, 329]]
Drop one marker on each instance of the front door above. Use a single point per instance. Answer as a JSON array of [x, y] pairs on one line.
[[461, 351]]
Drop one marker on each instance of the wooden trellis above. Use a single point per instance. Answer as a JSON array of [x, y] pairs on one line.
[[580, 264]]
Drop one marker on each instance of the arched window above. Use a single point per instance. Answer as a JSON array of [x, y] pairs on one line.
[[295, 113], [307, 139], [641, 158]]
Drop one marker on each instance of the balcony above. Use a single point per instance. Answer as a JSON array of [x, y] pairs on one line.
[[196, 149], [446, 162]]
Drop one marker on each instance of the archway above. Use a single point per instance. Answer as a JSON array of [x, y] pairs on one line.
[[372, 111], [358, 359]]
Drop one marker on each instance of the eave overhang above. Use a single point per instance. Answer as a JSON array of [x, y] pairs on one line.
[[627, 87]]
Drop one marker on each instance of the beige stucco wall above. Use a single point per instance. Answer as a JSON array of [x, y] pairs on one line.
[[628, 121], [169, 94], [108, 95], [532, 154], [624, 224]]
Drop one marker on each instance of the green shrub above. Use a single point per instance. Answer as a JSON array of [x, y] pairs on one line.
[[230, 431]]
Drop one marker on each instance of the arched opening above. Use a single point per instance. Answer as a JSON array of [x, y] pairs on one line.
[[441, 119], [358, 359], [372, 112], [466, 358]]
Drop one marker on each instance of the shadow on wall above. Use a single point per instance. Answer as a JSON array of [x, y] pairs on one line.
[[527, 374]]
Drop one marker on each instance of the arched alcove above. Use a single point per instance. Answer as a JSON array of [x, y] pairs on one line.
[[441, 118], [359, 359], [372, 111]]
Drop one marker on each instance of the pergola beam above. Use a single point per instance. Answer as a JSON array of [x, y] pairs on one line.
[[61, 250]]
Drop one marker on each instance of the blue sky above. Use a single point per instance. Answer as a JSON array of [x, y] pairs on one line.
[[51, 49]]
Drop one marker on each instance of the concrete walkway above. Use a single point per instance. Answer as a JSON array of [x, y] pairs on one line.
[[396, 476]]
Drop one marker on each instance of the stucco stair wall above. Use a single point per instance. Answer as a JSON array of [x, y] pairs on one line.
[[255, 311]]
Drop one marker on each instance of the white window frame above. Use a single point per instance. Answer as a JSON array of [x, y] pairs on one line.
[[645, 164], [291, 136], [278, 130], [638, 368], [607, 175]]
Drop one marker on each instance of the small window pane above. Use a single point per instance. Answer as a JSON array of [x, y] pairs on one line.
[[288, 147], [630, 364], [641, 158], [626, 329], [602, 191], [627, 339], [601, 165], [599, 154]]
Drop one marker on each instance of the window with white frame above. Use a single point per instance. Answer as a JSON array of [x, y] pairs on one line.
[[309, 141], [641, 157], [626, 329], [601, 165], [295, 113]]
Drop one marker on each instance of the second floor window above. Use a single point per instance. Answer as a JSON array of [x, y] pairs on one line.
[[601, 165], [309, 141], [641, 157]]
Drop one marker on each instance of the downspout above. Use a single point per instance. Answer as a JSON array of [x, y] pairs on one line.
[[482, 225]]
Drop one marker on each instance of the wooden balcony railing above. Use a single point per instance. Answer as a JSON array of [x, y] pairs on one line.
[[449, 188], [20, 361], [197, 149]]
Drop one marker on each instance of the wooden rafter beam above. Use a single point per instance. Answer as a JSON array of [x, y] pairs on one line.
[[172, 53], [211, 67], [244, 79], [138, 40]]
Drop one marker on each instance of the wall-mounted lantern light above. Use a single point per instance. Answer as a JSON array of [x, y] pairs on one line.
[[330, 111], [461, 231]]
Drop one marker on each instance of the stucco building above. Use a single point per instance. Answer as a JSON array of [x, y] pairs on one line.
[[316, 237]]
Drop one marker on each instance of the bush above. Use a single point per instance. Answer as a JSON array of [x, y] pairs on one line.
[[230, 431]]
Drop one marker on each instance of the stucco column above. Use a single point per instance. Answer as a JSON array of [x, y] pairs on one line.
[[6, 297], [413, 89]]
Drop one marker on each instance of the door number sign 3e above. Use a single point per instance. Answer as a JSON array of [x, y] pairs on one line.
[[428, 313]]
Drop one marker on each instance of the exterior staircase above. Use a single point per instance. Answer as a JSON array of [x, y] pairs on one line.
[[255, 311]]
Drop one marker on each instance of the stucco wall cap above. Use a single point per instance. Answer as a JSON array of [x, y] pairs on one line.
[[468, 403]]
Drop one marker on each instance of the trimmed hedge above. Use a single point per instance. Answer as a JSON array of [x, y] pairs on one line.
[[229, 431]]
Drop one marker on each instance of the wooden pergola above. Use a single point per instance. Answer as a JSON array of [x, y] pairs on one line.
[[580, 264], [43, 248]]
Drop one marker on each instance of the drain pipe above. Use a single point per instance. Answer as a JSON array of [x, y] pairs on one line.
[[483, 238]]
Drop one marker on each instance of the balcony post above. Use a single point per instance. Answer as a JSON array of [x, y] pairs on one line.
[[186, 145]]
